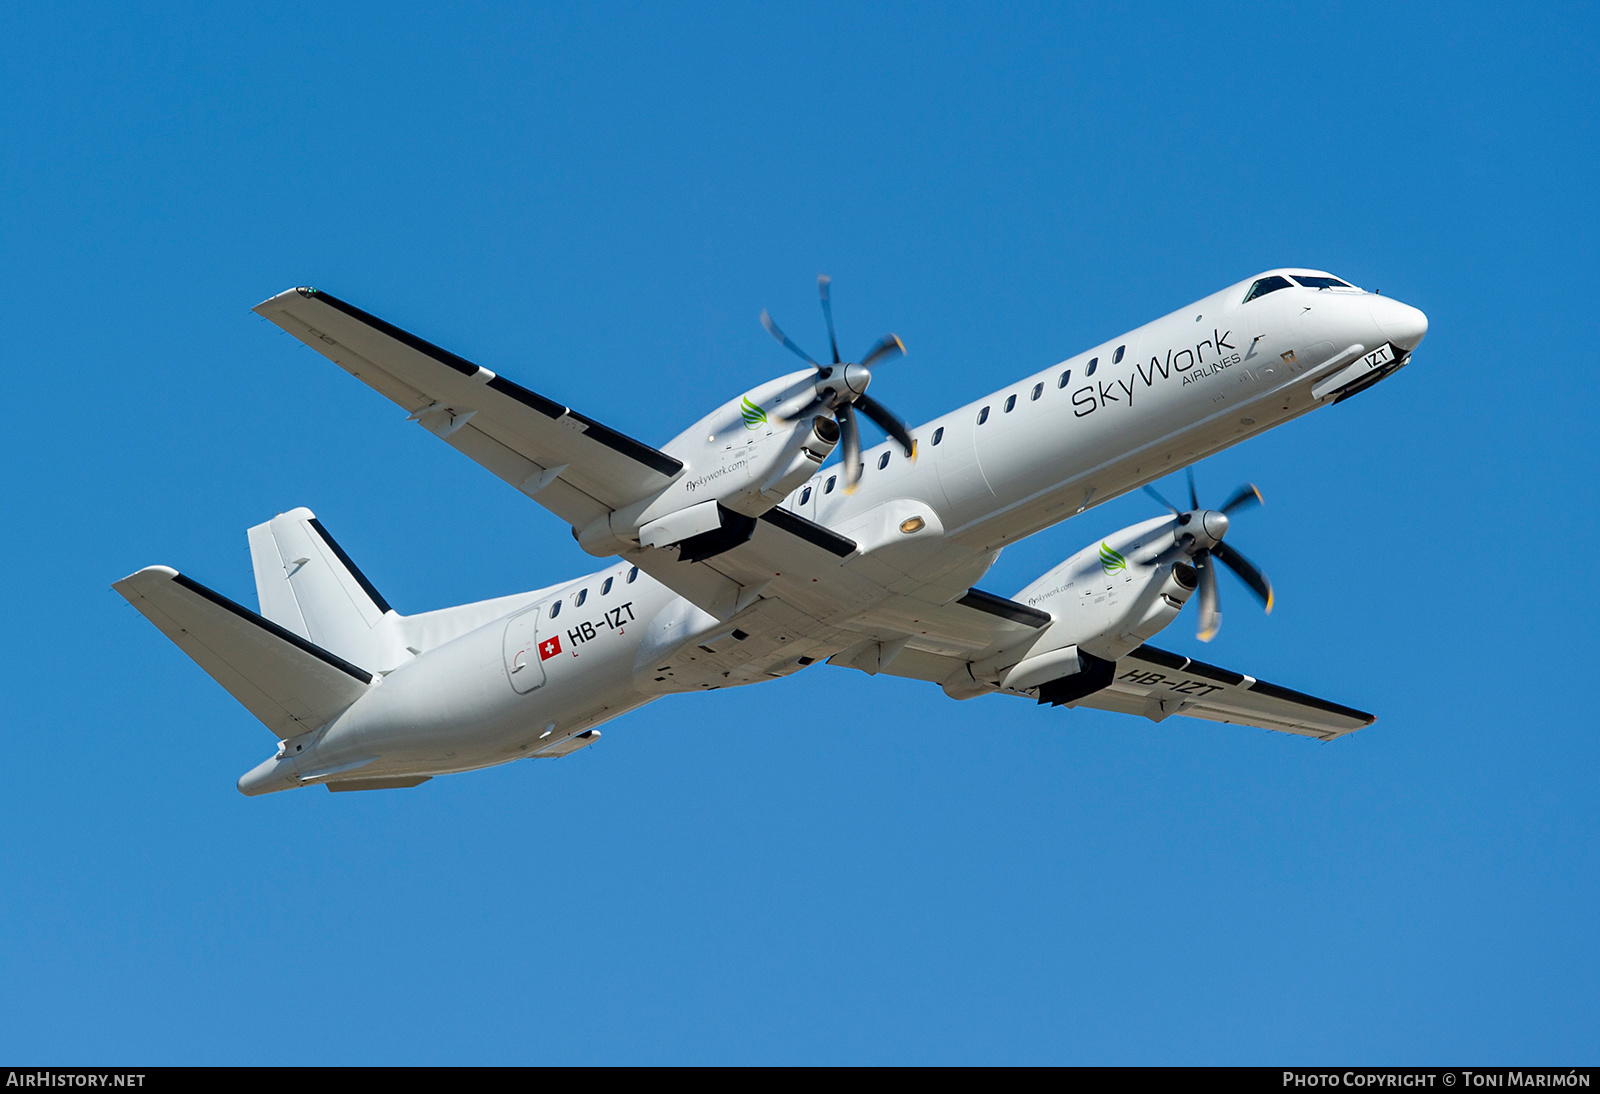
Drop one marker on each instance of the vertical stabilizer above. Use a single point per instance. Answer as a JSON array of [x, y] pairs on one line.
[[306, 584]]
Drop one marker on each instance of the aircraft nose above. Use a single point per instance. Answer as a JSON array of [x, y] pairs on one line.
[[1402, 324]]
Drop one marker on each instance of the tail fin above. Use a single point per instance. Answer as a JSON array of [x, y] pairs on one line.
[[292, 685], [306, 584]]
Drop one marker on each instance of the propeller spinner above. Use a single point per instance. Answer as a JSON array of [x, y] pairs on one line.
[[842, 388], [1199, 536]]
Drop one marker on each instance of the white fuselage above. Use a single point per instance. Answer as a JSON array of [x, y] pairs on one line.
[[1002, 467]]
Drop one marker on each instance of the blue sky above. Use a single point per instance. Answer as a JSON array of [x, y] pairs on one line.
[[831, 868]]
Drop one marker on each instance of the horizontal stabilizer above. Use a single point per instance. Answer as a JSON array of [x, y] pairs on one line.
[[291, 684]]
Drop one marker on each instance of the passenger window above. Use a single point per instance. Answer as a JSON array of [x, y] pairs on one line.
[[938, 435], [883, 461], [606, 588], [633, 573], [555, 609], [1065, 377], [983, 415], [1011, 401], [1116, 358], [1093, 361], [828, 488], [805, 495], [577, 601], [1266, 285], [1038, 390]]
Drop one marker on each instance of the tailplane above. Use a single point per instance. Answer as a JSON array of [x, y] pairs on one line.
[[323, 636], [293, 685]]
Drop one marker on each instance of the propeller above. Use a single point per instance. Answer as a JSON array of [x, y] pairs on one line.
[[1198, 536], [842, 388]]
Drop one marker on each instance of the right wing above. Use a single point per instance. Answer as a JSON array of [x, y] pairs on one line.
[[1156, 683], [571, 464]]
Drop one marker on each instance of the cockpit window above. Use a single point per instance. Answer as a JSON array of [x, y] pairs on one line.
[[1266, 285], [1321, 282]]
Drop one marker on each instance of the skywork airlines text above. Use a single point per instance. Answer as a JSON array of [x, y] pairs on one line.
[[1191, 364]]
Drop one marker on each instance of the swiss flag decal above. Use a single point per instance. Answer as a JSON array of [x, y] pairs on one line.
[[549, 648]]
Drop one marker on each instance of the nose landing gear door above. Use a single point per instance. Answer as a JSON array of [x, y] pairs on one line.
[[522, 650]]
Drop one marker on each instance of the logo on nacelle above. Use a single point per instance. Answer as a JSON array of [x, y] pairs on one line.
[[1110, 561], [754, 417]]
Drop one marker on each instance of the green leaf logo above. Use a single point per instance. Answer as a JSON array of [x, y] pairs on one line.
[[1110, 561], [754, 417]]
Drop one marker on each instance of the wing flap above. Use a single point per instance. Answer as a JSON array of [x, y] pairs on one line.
[[291, 684], [524, 438]]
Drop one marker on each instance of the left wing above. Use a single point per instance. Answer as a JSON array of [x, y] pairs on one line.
[[582, 471], [569, 463]]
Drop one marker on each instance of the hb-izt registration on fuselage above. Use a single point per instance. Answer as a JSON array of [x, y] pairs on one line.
[[739, 555]]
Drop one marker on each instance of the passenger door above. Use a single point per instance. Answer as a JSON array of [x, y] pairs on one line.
[[523, 667]]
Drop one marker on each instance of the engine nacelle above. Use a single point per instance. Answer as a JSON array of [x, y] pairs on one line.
[[1106, 600], [739, 461]]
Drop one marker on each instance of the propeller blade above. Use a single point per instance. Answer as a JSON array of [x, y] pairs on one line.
[[888, 346], [1210, 610], [1194, 499], [823, 281], [850, 441], [1248, 572], [783, 340], [886, 422], [1243, 498], [1152, 492]]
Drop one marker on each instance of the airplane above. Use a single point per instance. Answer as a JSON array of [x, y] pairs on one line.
[[738, 555]]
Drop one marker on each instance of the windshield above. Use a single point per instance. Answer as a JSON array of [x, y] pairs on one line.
[[1266, 285], [1321, 282]]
